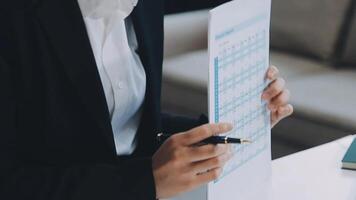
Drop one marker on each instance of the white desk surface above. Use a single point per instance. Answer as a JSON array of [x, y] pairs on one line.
[[315, 174]]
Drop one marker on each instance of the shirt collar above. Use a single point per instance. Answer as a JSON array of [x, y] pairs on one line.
[[107, 8]]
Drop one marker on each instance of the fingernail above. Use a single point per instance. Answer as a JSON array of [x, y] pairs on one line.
[[271, 74], [286, 110], [228, 126], [265, 96]]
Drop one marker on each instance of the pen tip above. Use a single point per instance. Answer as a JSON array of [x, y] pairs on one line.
[[245, 141]]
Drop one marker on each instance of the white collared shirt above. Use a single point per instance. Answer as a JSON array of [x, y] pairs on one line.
[[123, 77]]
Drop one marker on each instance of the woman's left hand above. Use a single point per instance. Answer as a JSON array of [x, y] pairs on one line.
[[277, 96]]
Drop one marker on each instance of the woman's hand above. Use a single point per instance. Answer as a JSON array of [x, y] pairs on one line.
[[179, 165], [277, 96]]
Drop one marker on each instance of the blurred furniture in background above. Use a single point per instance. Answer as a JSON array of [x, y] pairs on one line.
[[314, 46]]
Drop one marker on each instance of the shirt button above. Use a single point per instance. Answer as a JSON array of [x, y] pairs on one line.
[[120, 85]]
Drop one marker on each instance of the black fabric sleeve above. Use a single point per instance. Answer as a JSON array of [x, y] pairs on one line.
[[129, 179], [175, 124], [175, 6]]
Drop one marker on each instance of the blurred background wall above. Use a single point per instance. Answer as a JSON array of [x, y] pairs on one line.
[[313, 44]]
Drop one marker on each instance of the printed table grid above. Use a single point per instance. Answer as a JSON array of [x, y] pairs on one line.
[[238, 71]]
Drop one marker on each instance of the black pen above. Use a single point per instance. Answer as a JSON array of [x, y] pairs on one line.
[[211, 140]]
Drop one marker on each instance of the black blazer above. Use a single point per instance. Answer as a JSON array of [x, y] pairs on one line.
[[56, 140]]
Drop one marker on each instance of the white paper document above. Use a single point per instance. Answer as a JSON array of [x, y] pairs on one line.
[[238, 62]]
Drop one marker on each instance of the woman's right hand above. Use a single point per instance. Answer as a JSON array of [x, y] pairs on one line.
[[180, 165]]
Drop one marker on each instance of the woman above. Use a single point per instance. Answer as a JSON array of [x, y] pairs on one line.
[[80, 104]]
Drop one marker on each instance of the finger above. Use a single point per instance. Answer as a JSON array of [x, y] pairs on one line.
[[285, 111], [274, 89], [281, 113], [280, 100], [272, 73], [211, 175], [207, 151], [198, 134], [216, 162]]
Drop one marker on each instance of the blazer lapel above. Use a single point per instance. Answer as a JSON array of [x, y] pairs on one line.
[[63, 23], [148, 23]]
